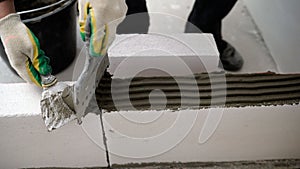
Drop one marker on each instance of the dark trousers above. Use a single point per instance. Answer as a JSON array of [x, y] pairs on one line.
[[206, 16], [137, 23]]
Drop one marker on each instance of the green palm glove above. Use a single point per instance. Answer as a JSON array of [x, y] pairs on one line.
[[23, 50], [102, 18]]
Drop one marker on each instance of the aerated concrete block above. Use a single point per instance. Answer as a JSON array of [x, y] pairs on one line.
[[158, 55]]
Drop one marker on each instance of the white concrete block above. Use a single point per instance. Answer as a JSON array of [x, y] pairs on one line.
[[158, 55], [252, 133], [25, 143], [19, 99]]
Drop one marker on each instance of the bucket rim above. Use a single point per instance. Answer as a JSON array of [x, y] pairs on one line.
[[66, 4]]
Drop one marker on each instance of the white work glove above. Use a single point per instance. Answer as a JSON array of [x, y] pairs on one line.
[[23, 50], [103, 17]]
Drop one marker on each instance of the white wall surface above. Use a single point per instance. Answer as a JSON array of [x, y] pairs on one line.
[[279, 23]]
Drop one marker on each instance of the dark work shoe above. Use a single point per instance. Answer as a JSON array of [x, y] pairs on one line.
[[231, 59]]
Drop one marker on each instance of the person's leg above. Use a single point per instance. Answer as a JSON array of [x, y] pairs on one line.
[[137, 20], [136, 6], [207, 16]]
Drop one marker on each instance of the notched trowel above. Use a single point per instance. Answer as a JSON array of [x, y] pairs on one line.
[[85, 86], [63, 103]]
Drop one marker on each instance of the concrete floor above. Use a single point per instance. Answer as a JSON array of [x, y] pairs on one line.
[[239, 29]]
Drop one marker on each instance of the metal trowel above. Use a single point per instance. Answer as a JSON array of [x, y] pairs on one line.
[[85, 86], [62, 102]]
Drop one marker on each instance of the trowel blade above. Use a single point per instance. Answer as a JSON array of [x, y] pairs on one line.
[[85, 86]]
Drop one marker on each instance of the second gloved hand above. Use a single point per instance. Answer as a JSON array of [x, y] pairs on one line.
[[23, 50], [103, 17]]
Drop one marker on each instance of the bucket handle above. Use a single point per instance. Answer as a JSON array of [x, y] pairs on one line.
[[41, 8]]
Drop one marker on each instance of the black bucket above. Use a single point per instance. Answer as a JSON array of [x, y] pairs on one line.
[[54, 23]]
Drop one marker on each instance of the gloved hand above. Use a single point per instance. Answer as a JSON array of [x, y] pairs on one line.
[[102, 18], [23, 50]]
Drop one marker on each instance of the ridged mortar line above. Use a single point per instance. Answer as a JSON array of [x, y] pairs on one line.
[[240, 89]]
